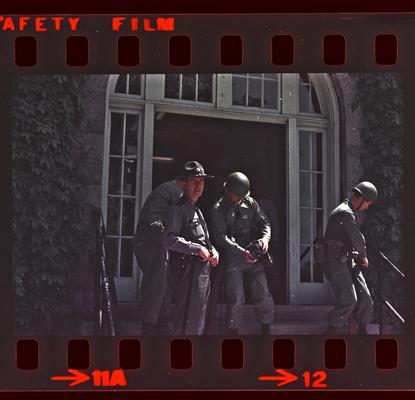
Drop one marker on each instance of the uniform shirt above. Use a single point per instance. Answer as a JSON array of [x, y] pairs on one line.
[[156, 206], [342, 226], [184, 232], [234, 226]]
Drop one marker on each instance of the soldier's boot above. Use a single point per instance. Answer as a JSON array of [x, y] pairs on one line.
[[149, 328], [163, 328], [362, 329], [335, 330], [233, 332], [265, 329]]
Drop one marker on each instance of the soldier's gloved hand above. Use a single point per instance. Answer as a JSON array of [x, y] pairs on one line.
[[214, 258], [264, 245], [364, 262], [204, 254], [248, 258]]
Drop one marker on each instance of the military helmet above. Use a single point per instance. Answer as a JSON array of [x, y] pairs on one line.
[[366, 190], [237, 183]]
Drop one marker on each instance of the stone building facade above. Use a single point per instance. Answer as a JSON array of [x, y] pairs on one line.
[[299, 134]]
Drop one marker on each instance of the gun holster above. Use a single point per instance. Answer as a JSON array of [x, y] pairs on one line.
[[335, 249]]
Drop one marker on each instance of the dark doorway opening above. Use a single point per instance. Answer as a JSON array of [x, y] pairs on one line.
[[224, 146]]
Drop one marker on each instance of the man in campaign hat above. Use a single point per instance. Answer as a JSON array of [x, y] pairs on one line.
[[152, 257], [192, 255]]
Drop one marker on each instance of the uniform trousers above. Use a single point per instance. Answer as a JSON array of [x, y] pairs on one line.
[[351, 293]]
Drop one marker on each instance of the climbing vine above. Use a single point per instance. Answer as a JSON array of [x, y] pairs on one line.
[[47, 199], [380, 101]]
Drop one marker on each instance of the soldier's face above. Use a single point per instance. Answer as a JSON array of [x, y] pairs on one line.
[[233, 197], [365, 205], [194, 187]]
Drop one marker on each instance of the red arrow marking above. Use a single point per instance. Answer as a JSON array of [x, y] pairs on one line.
[[77, 377], [285, 377]]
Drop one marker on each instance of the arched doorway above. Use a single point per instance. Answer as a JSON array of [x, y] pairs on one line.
[[281, 129]]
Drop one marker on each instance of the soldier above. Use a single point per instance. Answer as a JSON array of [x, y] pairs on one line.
[[236, 221], [152, 257], [343, 240], [192, 254]]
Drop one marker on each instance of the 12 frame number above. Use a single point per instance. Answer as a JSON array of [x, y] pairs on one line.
[[315, 380]]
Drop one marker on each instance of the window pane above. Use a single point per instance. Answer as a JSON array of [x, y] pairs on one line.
[[131, 132], [135, 84], [114, 181], [130, 167], [305, 265], [274, 77], [113, 215], [304, 99], [305, 228], [317, 223], [128, 217], [127, 255], [317, 185], [117, 126], [254, 92], [317, 273], [315, 104], [189, 87], [204, 91], [111, 259], [305, 189], [271, 94], [239, 91], [171, 87], [305, 162], [316, 139], [121, 86]]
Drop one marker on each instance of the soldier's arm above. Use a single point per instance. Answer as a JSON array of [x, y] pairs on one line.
[[353, 232], [219, 232], [172, 239], [262, 223]]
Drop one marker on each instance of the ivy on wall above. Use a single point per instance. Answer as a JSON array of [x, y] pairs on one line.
[[47, 199], [380, 101]]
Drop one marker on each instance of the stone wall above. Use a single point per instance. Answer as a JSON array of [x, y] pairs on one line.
[[89, 159], [351, 147]]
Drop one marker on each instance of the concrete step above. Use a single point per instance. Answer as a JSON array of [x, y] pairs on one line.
[[130, 312], [289, 328], [291, 319]]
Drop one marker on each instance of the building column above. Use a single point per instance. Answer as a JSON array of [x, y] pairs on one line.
[[293, 210]]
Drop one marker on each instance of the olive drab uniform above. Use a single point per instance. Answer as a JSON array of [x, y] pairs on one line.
[[233, 227], [185, 234], [151, 256], [343, 236]]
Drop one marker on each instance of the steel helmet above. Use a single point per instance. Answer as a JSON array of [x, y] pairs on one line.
[[366, 190], [237, 183]]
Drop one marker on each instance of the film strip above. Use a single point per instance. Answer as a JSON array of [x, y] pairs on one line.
[[292, 99]]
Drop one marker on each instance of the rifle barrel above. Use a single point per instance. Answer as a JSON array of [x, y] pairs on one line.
[[397, 270]]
